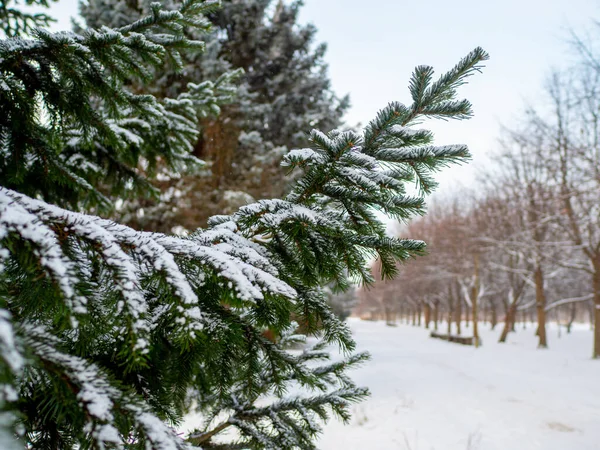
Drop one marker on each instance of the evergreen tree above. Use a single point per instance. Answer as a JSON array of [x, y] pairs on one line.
[[342, 303], [110, 336], [283, 92]]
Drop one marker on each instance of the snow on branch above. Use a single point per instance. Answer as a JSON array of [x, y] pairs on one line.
[[566, 301], [126, 253], [98, 397]]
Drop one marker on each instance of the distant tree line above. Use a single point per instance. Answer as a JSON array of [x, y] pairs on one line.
[[525, 241]]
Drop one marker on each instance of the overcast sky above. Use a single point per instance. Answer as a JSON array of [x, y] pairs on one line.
[[375, 44]]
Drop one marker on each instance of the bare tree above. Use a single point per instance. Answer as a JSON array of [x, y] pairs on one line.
[[573, 149]]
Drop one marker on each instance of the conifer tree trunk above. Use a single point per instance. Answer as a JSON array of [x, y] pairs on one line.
[[427, 315], [494, 314], [436, 310], [419, 312], [540, 303]]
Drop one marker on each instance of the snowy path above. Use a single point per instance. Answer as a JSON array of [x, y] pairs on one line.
[[429, 394]]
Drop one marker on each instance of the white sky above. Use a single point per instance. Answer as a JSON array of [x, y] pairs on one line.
[[374, 45]]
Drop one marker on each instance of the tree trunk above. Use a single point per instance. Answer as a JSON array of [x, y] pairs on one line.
[[596, 281], [419, 312], [436, 310], [427, 315], [217, 144], [540, 303], [459, 308], [484, 310], [387, 314], [450, 308], [468, 316], [494, 313], [572, 316], [475, 324], [474, 301], [509, 322]]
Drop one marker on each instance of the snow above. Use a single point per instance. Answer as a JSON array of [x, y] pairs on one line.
[[407, 131], [302, 156], [14, 217], [8, 349], [107, 433], [160, 435], [430, 394], [244, 265], [128, 136]]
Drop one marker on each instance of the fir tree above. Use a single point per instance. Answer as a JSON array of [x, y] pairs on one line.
[[283, 92], [110, 336]]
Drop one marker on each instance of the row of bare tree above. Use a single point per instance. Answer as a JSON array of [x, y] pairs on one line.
[[527, 238]]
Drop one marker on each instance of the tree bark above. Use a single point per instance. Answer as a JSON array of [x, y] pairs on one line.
[[596, 281], [458, 309], [509, 322], [540, 303], [572, 316], [468, 316], [484, 312], [450, 308], [427, 315], [474, 301], [389, 317]]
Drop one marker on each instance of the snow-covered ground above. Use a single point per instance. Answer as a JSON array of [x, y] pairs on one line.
[[430, 394]]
